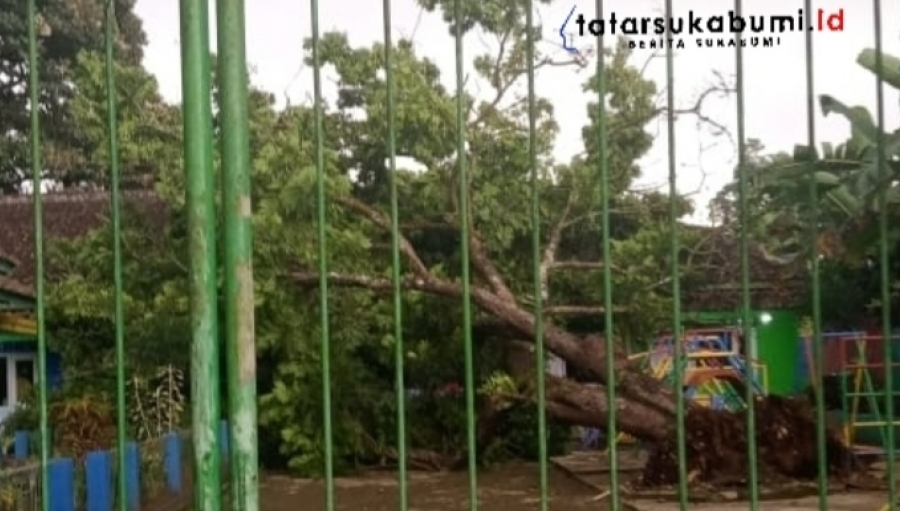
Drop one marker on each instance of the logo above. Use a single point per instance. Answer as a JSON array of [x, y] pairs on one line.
[[721, 31]]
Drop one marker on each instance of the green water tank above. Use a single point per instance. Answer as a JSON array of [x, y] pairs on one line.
[[778, 346]]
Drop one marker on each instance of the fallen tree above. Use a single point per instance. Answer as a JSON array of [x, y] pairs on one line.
[[645, 407], [498, 161]]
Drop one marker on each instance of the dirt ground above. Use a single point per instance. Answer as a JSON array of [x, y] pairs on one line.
[[507, 488]]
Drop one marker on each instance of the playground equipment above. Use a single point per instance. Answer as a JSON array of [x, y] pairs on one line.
[[714, 371], [713, 367], [863, 371]]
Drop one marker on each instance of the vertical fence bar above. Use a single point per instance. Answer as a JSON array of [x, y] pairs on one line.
[[113, 129], [677, 337], [239, 303], [462, 171], [540, 358], [885, 259], [609, 331], [747, 328], [198, 163], [37, 194], [818, 354], [323, 258], [399, 350]]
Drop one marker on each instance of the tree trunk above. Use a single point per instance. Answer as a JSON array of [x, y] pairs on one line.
[[716, 442]]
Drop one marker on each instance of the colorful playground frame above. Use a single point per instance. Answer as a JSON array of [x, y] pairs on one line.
[[713, 366], [858, 354], [714, 370]]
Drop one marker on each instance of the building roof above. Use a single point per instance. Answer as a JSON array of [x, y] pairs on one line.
[[67, 215], [716, 281]]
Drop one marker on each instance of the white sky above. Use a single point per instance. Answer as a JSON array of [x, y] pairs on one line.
[[775, 87]]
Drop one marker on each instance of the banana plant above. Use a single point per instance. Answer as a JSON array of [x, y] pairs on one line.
[[849, 177]]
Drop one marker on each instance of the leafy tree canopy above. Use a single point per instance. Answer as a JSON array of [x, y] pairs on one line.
[[357, 177]]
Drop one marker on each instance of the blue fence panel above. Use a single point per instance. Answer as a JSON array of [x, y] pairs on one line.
[[173, 462], [133, 476], [98, 475], [61, 479]]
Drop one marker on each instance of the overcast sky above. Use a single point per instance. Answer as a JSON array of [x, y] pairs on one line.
[[775, 86]]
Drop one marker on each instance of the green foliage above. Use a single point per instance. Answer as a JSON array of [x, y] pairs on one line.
[[518, 432], [363, 344], [518, 436], [853, 183], [65, 28], [145, 122], [25, 417], [847, 177]]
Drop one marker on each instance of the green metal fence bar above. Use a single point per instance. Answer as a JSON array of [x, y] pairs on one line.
[[37, 192], [539, 350], [884, 258], [113, 129], [747, 327], [819, 356], [677, 337], [323, 258], [609, 333], [239, 304], [462, 171], [399, 350], [200, 192]]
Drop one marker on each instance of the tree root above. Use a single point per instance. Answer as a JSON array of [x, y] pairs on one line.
[[717, 447]]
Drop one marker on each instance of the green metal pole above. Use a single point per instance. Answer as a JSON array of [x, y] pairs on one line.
[[201, 210], [36, 175], [885, 262], [677, 337], [239, 303], [747, 330], [609, 334], [399, 350], [462, 170], [113, 128], [818, 355], [321, 208], [539, 350]]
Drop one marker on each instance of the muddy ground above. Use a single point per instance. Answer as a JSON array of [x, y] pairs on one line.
[[508, 488]]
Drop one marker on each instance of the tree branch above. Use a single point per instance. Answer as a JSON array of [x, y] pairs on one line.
[[553, 244], [485, 267], [580, 265], [588, 353], [381, 220], [579, 310]]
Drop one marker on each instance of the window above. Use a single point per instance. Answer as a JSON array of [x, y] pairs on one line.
[[24, 379]]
